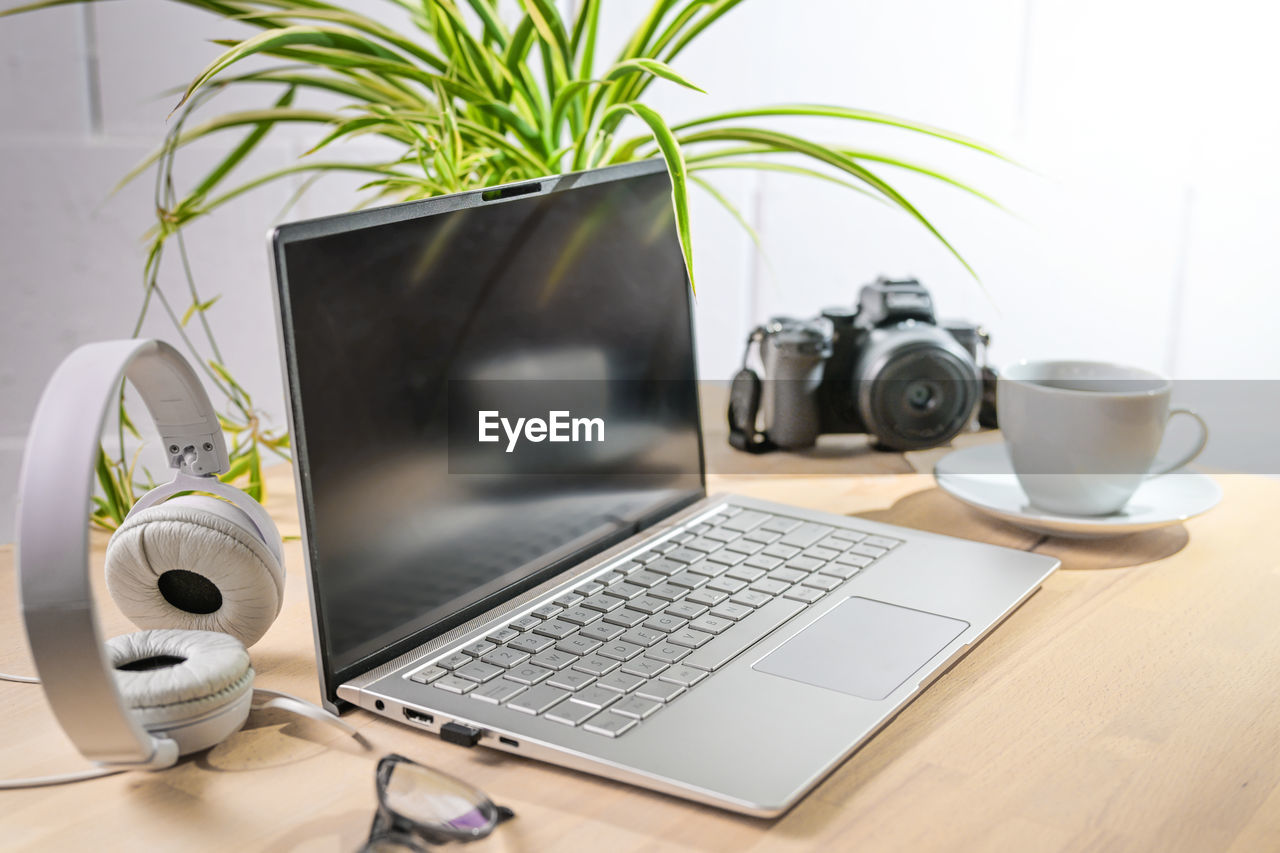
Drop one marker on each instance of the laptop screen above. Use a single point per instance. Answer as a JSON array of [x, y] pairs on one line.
[[485, 389]]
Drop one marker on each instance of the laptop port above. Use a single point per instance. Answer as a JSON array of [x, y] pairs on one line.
[[509, 741], [418, 717]]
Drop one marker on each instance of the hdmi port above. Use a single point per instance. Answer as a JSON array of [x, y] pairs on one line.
[[418, 717]]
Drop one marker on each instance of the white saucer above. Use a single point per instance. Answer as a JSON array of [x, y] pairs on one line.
[[983, 478]]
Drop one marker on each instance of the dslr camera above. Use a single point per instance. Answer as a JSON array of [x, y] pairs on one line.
[[887, 369]]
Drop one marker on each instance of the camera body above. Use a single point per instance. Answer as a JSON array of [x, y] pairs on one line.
[[887, 369]]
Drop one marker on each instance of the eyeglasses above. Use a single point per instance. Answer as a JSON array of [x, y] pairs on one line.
[[418, 806]]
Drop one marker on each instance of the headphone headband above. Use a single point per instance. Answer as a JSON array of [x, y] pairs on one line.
[[54, 500]]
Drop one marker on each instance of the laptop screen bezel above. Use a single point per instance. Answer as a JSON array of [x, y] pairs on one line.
[[279, 239]]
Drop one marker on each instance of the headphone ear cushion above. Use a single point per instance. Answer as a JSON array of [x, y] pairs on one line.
[[194, 687], [195, 562]]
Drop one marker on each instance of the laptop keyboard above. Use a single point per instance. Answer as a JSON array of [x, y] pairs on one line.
[[624, 645]]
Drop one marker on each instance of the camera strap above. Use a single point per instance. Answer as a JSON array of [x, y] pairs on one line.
[[744, 404]]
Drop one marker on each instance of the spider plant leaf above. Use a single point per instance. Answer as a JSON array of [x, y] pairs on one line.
[[640, 39], [713, 14], [830, 111], [550, 26], [583, 43], [324, 37], [237, 469], [198, 306], [242, 150], [787, 142], [111, 494], [493, 29], [910, 166], [730, 207], [650, 66], [568, 94], [346, 18], [696, 165], [674, 158]]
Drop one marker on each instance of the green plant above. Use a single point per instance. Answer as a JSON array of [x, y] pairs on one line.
[[466, 101]]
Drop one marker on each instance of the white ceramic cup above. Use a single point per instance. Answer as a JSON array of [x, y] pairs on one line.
[[1083, 435]]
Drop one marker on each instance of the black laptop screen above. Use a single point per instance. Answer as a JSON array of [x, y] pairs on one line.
[[481, 397]]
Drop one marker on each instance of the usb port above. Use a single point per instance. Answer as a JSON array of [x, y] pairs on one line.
[[418, 717], [509, 741]]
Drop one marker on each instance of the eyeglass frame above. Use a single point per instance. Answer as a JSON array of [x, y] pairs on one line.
[[390, 825]]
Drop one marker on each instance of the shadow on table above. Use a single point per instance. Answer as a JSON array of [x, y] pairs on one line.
[[935, 511]]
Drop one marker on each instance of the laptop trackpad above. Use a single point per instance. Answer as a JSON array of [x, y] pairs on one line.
[[862, 647]]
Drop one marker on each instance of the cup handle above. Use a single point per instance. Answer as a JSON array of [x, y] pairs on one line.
[[1195, 451]]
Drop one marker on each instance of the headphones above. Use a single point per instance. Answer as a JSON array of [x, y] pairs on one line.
[[214, 568]]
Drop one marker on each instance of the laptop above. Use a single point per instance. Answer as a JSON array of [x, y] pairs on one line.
[[494, 403]]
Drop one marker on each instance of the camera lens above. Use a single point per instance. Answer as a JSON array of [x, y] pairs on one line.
[[915, 388], [922, 396]]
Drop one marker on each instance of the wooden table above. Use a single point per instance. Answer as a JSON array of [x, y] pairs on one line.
[[1132, 704]]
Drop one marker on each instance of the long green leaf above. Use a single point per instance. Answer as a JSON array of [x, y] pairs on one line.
[[652, 66], [674, 158]]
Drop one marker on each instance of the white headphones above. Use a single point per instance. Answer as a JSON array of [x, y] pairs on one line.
[[215, 566]]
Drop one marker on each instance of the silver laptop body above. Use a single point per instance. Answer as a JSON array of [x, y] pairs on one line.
[[732, 652]]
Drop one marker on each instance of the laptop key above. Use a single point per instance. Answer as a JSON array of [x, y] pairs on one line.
[[578, 645], [644, 667], [609, 724], [867, 550], [556, 629], [744, 546], [623, 682], [597, 696], [665, 547], [645, 578], [761, 535], [626, 617], [524, 623], [727, 585], [478, 672], [667, 653], [704, 544], [840, 540], [454, 684], [686, 610], [531, 643], [644, 636], [623, 590], [602, 631], [826, 583], [665, 567], [581, 615], [807, 594], [547, 611], [727, 557], [553, 659], [454, 660], [804, 564], [609, 577], [763, 561], [649, 604], [806, 534], [569, 599], [789, 575], [570, 712], [596, 665], [636, 706], [479, 648], [786, 552], [750, 631], [685, 555], [663, 691], [751, 598], [722, 535], [768, 587], [620, 650], [823, 554], [840, 570], [588, 589], [859, 560], [688, 579], [570, 679], [685, 676], [690, 638], [665, 622], [603, 603], [668, 591], [498, 691], [882, 542], [706, 596], [729, 610], [528, 673], [428, 675], [746, 520], [711, 624], [537, 699], [502, 635], [780, 524], [646, 557], [708, 568], [745, 573], [506, 656]]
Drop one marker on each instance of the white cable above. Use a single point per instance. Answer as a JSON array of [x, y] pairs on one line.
[[41, 781], [287, 702], [21, 679]]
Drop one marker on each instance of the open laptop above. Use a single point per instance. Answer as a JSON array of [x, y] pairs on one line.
[[498, 454]]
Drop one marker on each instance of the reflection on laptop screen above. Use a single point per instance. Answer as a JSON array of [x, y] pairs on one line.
[[401, 334]]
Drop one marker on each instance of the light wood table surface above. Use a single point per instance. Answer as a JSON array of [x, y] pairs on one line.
[[1132, 704]]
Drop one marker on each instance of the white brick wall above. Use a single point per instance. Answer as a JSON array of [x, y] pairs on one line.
[[1149, 212]]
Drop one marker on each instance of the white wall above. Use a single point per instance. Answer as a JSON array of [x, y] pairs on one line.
[[1147, 217]]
